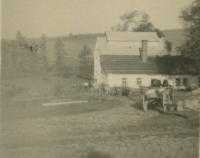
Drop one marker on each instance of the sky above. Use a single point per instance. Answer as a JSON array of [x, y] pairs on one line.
[[61, 17]]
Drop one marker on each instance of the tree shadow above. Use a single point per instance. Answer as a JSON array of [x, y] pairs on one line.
[[138, 106], [97, 154], [174, 113]]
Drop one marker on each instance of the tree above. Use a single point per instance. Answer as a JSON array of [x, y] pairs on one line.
[[20, 52], [127, 19], [190, 48], [6, 63], [61, 67], [85, 51], [86, 64], [34, 65], [86, 68], [139, 22], [43, 52]]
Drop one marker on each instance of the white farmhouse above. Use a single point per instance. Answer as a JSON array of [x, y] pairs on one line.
[[136, 58]]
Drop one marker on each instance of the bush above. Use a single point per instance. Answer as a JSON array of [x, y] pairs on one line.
[[97, 154]]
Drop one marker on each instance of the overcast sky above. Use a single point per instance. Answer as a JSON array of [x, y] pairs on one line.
[[60, 17]]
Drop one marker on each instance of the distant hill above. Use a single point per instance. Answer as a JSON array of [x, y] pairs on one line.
[[176, 37]]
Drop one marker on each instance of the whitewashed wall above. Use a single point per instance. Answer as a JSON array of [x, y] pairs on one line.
[[116, 79], [97, 65]]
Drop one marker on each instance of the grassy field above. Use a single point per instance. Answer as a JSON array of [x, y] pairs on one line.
[[35, 87], [73, 47]]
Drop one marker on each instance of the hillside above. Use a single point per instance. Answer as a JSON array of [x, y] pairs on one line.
[[74, 45]]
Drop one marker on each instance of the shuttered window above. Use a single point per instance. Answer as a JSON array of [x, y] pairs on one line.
[[139, 81], [124, 81], [185, 81]]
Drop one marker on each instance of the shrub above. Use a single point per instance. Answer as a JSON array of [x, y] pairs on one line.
[[97, 154]]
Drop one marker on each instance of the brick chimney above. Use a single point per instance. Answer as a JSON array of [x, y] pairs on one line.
[[144, 53]]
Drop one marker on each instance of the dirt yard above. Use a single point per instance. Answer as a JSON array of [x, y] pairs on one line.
[[116, 127]]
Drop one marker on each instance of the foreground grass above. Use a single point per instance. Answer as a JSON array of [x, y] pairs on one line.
[[53, 131]]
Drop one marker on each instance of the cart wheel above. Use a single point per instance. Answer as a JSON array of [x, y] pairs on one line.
[[167, 99], [119, 92], [144, 103]]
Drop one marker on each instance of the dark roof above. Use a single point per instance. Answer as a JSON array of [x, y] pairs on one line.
[[132, 64]]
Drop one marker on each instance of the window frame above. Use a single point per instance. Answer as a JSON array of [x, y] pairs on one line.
[[179, 81], [184, 81], [124, 81], [139, 81]]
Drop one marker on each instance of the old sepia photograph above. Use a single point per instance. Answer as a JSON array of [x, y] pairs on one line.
[[100, 79]]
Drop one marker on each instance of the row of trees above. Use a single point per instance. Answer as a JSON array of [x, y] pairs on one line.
[[22, 57], [190, 48]]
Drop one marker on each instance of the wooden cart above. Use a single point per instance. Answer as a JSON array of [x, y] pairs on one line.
[[162, 96]]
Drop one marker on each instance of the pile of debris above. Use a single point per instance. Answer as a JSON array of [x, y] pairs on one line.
[[193, 103]]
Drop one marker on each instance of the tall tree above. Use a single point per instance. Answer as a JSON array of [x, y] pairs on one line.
[[20, 49], [43, 51], [85, 51], [33, 59], [5, 58], [190, 49], [61, 67], [86, 64], [136, 21], [86, 67]]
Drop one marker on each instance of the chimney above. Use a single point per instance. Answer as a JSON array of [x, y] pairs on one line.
[[144, 51]]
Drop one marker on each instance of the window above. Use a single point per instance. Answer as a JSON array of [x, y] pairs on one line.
[[124, 82], [139, 81], [178, 81], [152, 81], [185, 81]]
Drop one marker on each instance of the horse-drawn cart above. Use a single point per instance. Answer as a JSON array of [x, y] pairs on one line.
[[156, 95]]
